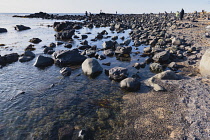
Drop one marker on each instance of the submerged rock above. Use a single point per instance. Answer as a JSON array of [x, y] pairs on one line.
[[91, 67], [65, 71]]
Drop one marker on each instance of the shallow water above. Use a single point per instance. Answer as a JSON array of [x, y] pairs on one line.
[[51, 101]]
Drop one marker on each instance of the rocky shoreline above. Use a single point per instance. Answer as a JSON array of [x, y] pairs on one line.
[[170, 105]]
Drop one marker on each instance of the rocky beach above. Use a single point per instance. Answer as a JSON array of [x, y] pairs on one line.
[[111, 76]]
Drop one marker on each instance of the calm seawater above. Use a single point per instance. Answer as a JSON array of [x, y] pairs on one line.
[[35, 113]]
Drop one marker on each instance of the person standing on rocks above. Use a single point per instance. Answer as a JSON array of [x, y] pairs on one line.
[[181, 15], [177, 15]]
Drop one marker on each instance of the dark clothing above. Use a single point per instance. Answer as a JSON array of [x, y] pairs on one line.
[[181, 15]]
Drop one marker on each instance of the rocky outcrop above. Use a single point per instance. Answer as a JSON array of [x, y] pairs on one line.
[[68, 57], [166, 75], [91, 67], [65, 35], [43, 61], [130, 84]]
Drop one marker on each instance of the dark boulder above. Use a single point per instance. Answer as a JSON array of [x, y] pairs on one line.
[[9, 58], [83, 47], [68, 46], [30, 48], [123, 50], [43, 61], [47, 49], [27, 56], [84, 36], [65, 35], [68, 57], [108, 44], [3, 30], [21, 27], [35, 40]]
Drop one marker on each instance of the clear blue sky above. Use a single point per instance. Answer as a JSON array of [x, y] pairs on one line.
[[109, 6]]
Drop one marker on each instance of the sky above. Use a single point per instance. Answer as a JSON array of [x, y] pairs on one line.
[[107, 6]]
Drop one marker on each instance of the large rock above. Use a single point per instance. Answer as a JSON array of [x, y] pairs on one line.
[[21, 27], [9, 58], [123, 50], [130, 84], [205, 64], [91, 67], [65, 35], [108, 45], [3, 30], [68, 57], [118, 73], [27, 56], [43, 61], [161, 56]]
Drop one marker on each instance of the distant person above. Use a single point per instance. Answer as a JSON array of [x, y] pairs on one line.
[[181, 15], [177, 15], [166, 14], [86, 13], [116, 12]]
